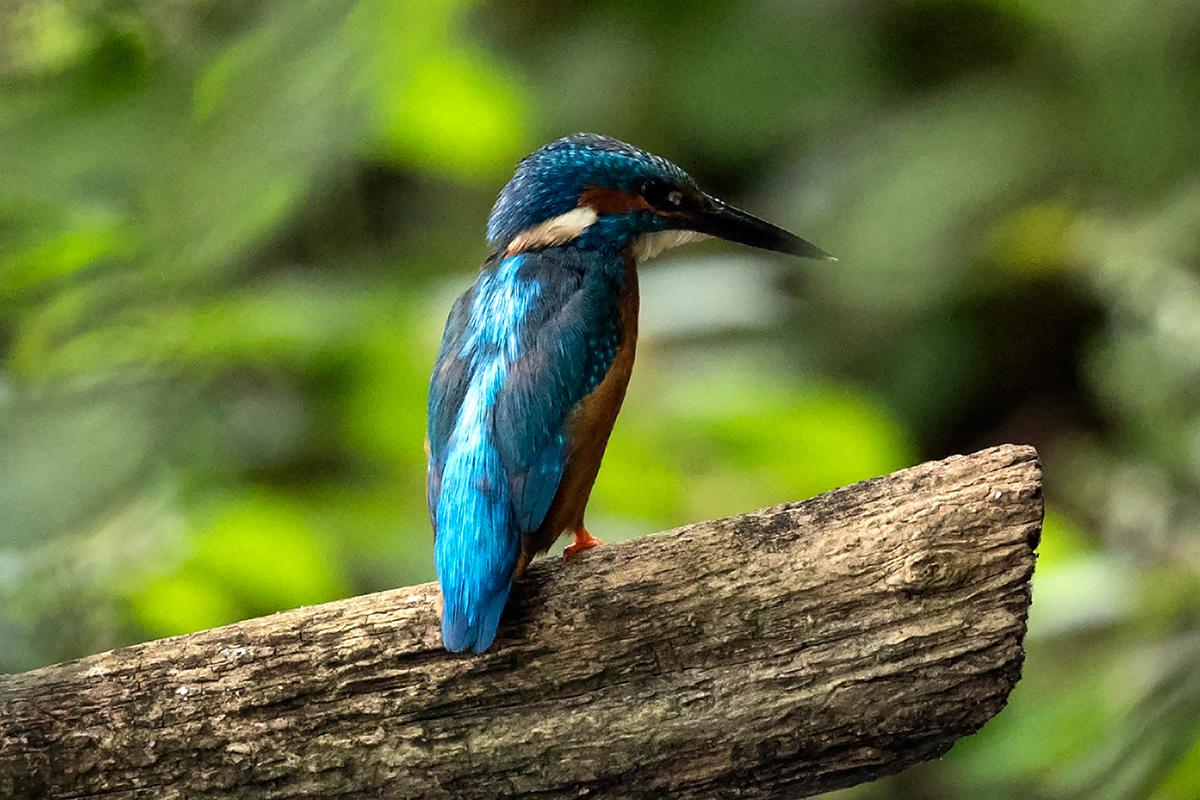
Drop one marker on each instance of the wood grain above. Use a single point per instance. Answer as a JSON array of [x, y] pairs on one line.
[[779, 653]]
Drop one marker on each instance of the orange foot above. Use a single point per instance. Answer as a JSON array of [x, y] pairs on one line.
[[583, 541]]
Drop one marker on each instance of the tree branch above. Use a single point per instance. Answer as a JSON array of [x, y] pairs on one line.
[[775, 654]]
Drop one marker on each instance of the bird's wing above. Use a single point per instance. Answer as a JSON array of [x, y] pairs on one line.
[[568, 349], [447, 388], [564, 346]]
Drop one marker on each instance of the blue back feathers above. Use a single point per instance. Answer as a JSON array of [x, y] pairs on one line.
[[473, 563], [533, 336]]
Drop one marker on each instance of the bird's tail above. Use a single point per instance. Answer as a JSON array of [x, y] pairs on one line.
[[476, 550], [472, 628]]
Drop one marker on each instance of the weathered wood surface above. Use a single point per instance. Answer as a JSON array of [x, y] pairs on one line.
[[774, 654]]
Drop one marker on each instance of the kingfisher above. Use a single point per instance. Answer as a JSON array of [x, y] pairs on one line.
[[537, 353]]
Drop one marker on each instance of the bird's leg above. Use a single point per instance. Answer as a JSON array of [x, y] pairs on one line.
[[583, 541], [522, 562]]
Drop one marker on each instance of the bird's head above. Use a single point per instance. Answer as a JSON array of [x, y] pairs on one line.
[[593, 191]]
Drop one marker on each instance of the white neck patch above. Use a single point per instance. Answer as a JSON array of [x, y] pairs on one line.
[[648, 245], [568, 226], [556, 230]]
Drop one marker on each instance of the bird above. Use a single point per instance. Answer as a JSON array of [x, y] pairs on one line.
[[537, 353]]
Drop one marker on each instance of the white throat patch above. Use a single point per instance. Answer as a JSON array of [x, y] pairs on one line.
[[648, 245], [556, 230]]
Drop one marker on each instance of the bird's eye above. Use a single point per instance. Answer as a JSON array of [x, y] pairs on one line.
[[653, 190], [660, 195]]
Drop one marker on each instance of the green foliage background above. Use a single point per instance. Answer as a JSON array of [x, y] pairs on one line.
[[230, 233]]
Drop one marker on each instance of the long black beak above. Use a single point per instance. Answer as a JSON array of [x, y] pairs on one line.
[[719, 219]]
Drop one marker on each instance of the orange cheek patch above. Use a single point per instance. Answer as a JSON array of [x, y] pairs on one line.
[[611, 201]]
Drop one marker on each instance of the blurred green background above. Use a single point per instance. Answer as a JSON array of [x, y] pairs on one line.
[[230, 233]]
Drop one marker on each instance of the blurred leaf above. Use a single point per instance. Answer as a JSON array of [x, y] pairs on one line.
[[258, 555], [436, 103], [51, 255], [1156, 734], [1034, 239], [454, 115], [1182, 782], [181, 603], [902, 196], [748, 439], [63, 459], [1069, 569], [639, 482], [264, 551], [44, 36]]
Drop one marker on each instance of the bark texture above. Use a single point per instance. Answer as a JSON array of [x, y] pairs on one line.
[[779, 653]]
